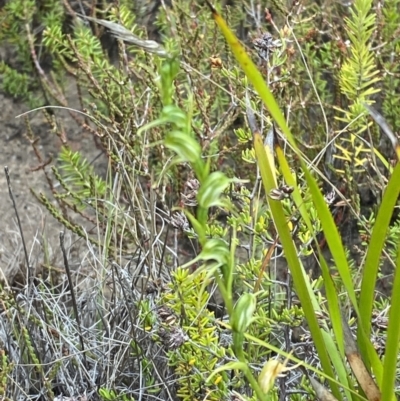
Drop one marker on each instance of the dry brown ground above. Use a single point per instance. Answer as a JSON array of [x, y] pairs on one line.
[[18, 155]]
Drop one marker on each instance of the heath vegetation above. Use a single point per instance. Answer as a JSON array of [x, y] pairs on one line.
[[242, 241]]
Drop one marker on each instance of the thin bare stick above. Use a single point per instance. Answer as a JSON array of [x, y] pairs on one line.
[[29, 270], [74, 304]]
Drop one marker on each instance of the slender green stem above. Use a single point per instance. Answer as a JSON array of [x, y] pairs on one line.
[[249, 376]]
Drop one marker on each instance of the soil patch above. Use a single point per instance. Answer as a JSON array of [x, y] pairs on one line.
[[18, 155]]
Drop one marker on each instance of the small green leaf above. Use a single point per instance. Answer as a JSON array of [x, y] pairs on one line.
[[176, 116], [217, 250], [186, 147], [209, 194]]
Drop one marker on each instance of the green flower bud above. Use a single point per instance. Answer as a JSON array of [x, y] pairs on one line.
[[243, 312]]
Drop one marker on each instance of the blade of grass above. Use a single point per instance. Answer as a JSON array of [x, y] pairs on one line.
[[330, 230], [339, 256], [289, 179], [333, 305], [377, 241], [293, 260], [339, 366], [393, 337], [332, 237], [276, 208], [331, 294], [262, 89]]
